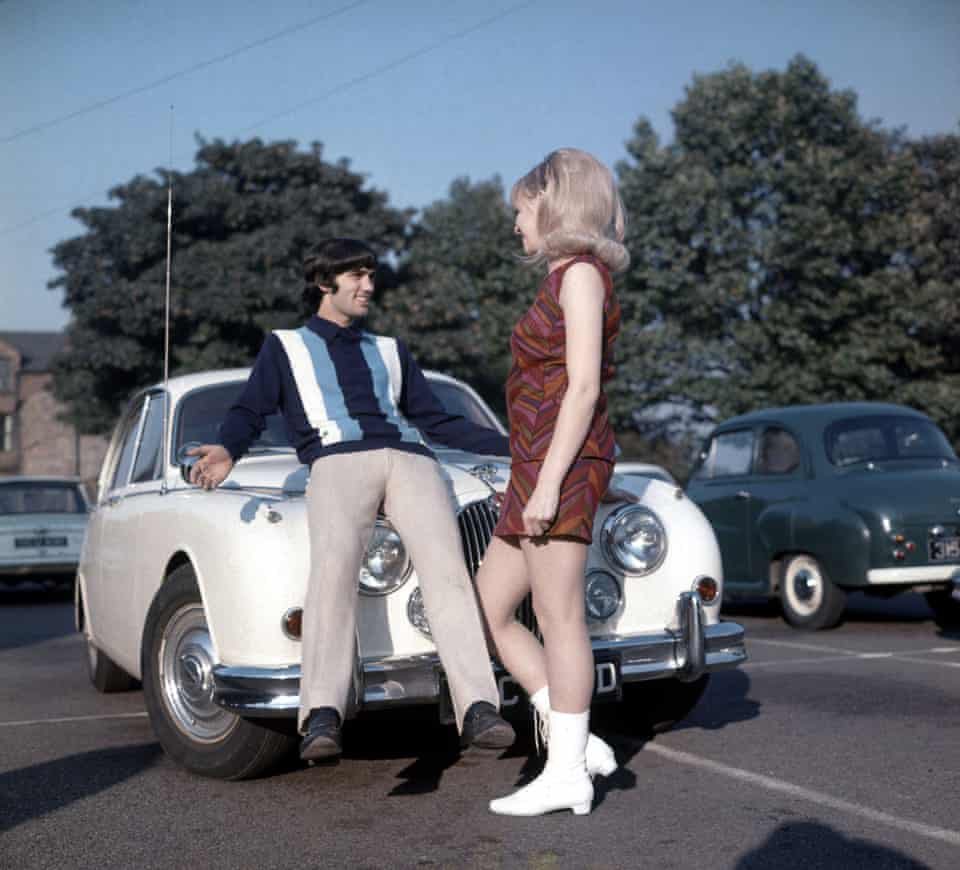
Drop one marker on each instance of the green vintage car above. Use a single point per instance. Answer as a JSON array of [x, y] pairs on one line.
[[811, 501]]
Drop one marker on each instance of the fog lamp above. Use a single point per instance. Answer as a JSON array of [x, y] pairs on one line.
[[417, 614], [603, 595]]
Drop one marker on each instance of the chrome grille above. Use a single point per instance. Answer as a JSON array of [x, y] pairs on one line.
[[476, 529], [477, 521]]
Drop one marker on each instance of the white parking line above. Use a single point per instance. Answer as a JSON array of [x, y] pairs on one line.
[[907, 655], [23, 722], [818, 797]]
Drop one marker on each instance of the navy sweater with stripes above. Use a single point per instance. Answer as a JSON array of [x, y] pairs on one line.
[[342, 389]]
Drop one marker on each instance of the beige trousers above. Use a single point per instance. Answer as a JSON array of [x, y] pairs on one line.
[[343, 496]]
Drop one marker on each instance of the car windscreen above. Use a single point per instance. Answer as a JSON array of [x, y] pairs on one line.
[[456, 400], [884, 438], [202, 412], [40, 498]]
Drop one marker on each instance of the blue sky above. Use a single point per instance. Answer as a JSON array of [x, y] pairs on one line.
[[415, 93]]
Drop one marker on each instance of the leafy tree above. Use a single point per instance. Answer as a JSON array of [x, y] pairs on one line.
[[776, 244], [462, 288], [243, 218]]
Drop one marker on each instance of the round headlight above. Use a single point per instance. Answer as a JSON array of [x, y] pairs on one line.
[[386, 564], [603, 596], [416, 613], [634, 539]]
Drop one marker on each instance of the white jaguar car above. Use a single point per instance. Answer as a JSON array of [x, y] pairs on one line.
[[199, 594]]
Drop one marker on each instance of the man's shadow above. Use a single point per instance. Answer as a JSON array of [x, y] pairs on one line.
[[35, 791]]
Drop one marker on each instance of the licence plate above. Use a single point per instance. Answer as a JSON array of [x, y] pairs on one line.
[[606, 685], [944, 549], [22, 543]]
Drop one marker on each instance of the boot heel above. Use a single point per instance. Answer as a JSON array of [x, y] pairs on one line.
[[606, 766], [581, 809]]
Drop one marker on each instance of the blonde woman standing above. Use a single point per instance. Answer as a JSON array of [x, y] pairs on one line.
[[570, 219]]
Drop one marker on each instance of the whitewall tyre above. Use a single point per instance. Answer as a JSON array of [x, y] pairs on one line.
[[810, 600]]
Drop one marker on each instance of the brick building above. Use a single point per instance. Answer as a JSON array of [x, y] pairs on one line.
[[32, 439]]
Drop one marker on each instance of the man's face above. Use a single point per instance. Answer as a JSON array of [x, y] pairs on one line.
[[350, 299]]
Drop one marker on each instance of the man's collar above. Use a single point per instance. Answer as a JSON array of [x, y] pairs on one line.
[[329, 330]]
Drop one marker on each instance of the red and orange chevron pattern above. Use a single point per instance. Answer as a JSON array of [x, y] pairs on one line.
[[535, 388]]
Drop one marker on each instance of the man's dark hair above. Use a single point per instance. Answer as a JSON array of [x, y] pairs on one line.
[[328, 259]]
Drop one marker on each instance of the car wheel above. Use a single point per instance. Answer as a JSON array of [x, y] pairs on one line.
[[655, 706], [946, 609], [105, 674], [178, 659], [808, 597]]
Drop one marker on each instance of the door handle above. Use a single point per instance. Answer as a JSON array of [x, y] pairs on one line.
[[743, 495]]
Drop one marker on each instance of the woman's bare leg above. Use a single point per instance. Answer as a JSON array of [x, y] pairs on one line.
[[502, 583], [556, 568]]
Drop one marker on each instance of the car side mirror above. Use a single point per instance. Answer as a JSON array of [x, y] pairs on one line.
[[186, 462]]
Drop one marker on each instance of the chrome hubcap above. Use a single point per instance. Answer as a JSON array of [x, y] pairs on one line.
[[803, 587], [186, 677]]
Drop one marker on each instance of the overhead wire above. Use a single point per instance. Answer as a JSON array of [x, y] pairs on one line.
[[332, 92], [204, 64]]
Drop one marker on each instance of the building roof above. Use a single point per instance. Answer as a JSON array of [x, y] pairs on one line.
[[37, 349]]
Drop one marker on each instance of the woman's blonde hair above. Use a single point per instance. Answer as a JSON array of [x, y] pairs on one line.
[[580, 209]]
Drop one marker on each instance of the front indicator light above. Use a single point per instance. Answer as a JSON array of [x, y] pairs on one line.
[[292, 623], [707, 588]]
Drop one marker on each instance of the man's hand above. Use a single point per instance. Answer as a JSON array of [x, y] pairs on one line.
[[213, 466], [541, 510]]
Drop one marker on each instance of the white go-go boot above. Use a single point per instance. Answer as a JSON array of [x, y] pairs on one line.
[[600, 758], [564, 783]]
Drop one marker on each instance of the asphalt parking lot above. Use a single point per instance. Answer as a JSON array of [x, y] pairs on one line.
[[839, 749]]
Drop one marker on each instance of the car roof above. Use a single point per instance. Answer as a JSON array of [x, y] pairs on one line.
[[823, 413]]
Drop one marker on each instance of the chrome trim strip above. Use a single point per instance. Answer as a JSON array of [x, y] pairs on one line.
[[920, 574]]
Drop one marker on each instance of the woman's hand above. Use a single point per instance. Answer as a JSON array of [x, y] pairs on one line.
[[212, 468], [541, 509]]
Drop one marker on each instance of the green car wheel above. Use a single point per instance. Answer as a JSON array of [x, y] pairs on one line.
[[810, 600]]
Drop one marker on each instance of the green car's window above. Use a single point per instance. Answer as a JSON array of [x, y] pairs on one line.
[[885, 438], [779, 452], [727, 455]]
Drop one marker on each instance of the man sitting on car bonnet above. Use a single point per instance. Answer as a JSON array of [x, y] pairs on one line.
[[353, 403]]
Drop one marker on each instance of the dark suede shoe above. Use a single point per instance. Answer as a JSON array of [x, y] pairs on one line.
[[484, 728], [322, 739]]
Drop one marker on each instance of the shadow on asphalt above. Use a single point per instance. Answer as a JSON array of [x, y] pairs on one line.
[[35, 791], [724, 703], [49, 617], [805, 845]]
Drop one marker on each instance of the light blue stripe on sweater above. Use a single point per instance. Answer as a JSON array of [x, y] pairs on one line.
[[385, 391], [326, 375]]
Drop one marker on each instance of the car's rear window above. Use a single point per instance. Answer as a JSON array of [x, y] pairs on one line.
[[885, 438], [40, 498]]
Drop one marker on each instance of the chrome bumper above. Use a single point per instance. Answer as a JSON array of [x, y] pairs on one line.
[[686, 654]]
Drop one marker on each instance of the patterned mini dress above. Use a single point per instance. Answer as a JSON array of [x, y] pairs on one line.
[[535, 388]]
